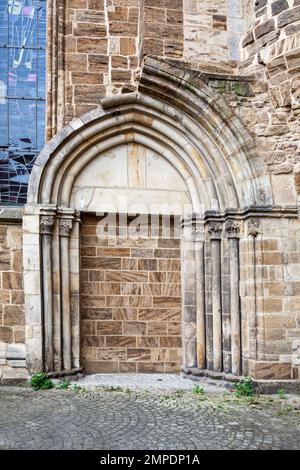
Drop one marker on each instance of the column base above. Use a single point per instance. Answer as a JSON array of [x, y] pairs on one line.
[[74, 373]]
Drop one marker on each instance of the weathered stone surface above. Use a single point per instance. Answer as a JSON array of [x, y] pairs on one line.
[[264, 28], [288, 17]]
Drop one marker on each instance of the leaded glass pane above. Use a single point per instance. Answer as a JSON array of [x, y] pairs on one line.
[[22, 93]]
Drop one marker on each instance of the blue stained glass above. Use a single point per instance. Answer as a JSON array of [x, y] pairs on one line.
[[22, 93]]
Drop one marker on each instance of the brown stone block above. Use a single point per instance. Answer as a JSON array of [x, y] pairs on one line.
[[118, 14], [5, 296], [76, 62], [153, 46], [17, 261], [138, 354], [11, 280], [89, 16], [89, 240], [125, 314], [96, 4], [134, 328], [175, 355], [166, 253], [99, 367], [100, 263], [111, 354], [93, 341], [118, 61], [168, 243], [168, 31], [152, 314], [6, 334], [126, 276], [156, 328], [88, 251], [90, 45], [17, 297], [88, 353], [147, 342], [13, 315], [121, 341], [169, 265], [109, 328], [127, 367], [272, 305], [127, 46], [97, 63], [170, 342], [89, 78], [267, 370], [87, 229], [129, 263], [133, 16], [172, 367], [96, 313], [117, 301], [94, 301], [174, 328], [264, 28], [142, 253], [96, 276], [175, 4], [123, 29], [145, 367], [166, 302], [140, 301], [147, 264], [157, 277], [173, 49], [113, 252], [130, 288], [19, 336], [152, 289], [271, 258], [89, 93], [77, 4], [171, 290], [159, 355], [120, 76], [5, 261], [88, 327], [156, 15], [176, 16]]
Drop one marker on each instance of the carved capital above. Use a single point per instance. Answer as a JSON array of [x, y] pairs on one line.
[[254, 227], [232, 229], [46, 224], [65, 227], [215, 231]]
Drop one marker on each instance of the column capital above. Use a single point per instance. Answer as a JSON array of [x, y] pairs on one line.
[[65, 226], [254, 227], [215, 230], [232, 229], [47, 224]]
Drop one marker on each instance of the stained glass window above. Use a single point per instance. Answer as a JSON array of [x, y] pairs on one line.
[[22, 93]]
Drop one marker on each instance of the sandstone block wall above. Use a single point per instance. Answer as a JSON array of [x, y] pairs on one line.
[[12, 320], [130, 299]]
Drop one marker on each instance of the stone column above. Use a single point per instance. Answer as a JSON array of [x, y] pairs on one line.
[[215, 232], [254, 229], [233, 229], [188, 273], [46, 228], [199, 236], [65, 227]]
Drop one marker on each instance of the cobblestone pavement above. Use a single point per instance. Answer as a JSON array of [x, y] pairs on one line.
[[126, 419]]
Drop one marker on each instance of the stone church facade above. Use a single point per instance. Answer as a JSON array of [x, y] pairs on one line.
[[161, 230]]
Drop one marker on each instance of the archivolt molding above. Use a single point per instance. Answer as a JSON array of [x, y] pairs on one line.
[[178, 116]]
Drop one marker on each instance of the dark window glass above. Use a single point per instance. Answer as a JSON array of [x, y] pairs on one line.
[[22, 93]]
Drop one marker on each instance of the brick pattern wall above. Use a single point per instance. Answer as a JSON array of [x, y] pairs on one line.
[[131, 301], [11, 285], [162, 28]]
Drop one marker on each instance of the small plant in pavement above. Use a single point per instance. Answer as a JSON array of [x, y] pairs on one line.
[[244, 388], [40, 381]]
